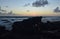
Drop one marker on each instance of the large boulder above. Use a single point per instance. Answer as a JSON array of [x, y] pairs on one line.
[[27, 25]]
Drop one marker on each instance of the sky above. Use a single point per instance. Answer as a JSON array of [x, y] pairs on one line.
[[26, 7]]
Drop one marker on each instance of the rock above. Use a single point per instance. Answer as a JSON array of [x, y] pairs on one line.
[[27, 25], [3, 32], [33, 28]]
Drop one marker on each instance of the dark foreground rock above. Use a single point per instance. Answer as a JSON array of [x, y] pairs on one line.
[[33, 28], [27, 25]]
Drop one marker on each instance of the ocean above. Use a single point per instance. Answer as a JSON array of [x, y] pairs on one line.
[[7, 21]]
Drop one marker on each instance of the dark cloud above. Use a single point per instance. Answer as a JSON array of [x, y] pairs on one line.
[[57, 9], [40, 3]]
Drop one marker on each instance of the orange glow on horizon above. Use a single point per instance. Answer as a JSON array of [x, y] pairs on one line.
[[35, 13]]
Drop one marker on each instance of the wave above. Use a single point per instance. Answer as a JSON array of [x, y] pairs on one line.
[[7, 22], [50, 18]]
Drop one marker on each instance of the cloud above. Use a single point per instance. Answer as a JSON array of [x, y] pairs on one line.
[[27, 4], [2, 10], [28, 10], [6, 6], [40, 3], [57, 9]]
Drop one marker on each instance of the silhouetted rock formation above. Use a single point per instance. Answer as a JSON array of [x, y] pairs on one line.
[[2, 29], [27, 25], [3, 32], [33, 28]]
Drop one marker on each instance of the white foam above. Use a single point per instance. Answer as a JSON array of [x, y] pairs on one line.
[[8, 22]]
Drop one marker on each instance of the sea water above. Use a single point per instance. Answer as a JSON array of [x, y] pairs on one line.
[[50, 18], [8, 21]]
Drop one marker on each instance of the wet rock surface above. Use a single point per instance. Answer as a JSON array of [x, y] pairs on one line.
[[32, 28]]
